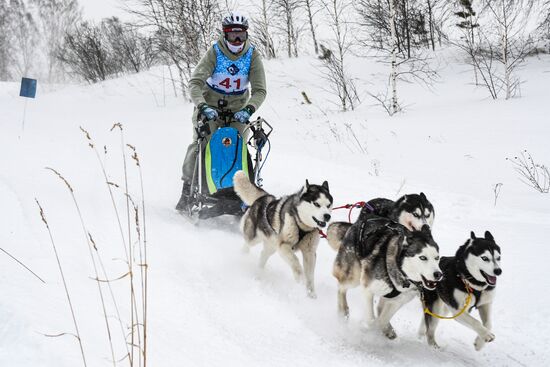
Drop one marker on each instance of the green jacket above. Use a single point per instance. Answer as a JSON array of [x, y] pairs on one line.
[[201, 92]]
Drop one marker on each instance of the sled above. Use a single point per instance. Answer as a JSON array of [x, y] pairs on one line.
[[218, 158]]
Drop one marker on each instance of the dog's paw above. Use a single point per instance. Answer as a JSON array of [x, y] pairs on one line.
[[479, 343], [343, 315], [489, 337], [389, 332], [432, 343], [311, 294]]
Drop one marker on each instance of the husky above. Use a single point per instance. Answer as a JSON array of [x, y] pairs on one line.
[[473, 270], [388, 261], [412, 211], [286, 225]]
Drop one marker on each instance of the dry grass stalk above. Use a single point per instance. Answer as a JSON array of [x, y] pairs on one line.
[[137, 326], [144, 268], [67, 294], [133, 301], [23, 265], [109, 184], [91, 246]]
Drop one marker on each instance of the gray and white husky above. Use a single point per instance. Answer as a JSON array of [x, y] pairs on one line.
[[474, 269], [386, 260], [411, 211], [286, 225]]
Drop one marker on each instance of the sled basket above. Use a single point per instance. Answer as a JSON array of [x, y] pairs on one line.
[[225, 154]]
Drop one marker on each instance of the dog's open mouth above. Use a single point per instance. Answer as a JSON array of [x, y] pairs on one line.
[[491, 279], [319, 223], [429, 284]]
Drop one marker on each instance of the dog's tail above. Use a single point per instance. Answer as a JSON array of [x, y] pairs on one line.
[[246, 190], [335, 234]]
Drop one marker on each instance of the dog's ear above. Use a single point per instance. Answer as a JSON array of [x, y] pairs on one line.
[[325, 185], [489, 236], [422, 196], [472, 235], [307, 184], [462, 250]]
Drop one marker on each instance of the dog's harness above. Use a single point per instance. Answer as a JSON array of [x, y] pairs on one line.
[[467, 301], [394, 293]]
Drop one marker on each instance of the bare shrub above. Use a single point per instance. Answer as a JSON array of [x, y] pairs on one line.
[[532, 174], [182, 30], [95, 52], [333, 62]]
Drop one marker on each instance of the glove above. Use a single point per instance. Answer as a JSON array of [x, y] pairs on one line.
[[244, 115], [208, 112], [260, 139]]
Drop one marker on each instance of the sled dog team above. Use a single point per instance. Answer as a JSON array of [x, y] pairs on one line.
[[389, 252]]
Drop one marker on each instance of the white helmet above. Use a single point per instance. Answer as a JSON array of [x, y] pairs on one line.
[[235, 19]]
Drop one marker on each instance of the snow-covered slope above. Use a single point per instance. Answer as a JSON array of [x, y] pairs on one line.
[[209, 304]]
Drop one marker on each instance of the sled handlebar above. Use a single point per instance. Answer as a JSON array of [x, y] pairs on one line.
[[261, 130]]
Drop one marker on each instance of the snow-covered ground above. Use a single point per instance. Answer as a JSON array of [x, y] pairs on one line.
[[209, 304]]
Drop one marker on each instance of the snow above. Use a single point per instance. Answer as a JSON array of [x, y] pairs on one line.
[[210, 305], [99, 9]]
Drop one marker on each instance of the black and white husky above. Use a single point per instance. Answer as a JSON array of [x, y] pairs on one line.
[[386, 260], [473, 269], [286, 225], [411, 211]]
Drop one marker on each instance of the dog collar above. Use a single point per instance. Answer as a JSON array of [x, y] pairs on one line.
[[472, 283]]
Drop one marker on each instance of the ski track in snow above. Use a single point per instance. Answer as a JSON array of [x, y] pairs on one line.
[[210, 304]]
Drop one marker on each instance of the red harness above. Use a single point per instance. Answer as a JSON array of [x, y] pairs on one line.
[[359, 204]]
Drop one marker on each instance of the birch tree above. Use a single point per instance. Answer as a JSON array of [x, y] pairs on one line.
[[311, 11], [262, 29], [500, 44], [287, 12], [394, 107], [396, 35], [510, 19]]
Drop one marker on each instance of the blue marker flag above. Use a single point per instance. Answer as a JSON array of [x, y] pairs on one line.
[[28, 88]]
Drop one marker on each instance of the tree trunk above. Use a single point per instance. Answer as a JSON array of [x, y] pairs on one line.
[[289, 35], [430, 21], [505, 50], [393, 76], [311, 26], [407, 28]]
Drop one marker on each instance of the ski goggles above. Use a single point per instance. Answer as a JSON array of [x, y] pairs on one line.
[[238, 35]]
